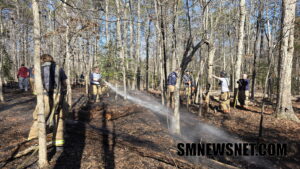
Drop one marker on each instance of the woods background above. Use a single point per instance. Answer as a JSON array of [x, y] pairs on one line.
[[138, 42]]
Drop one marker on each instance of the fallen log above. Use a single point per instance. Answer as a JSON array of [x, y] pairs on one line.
[[30, 149], [82, 101]]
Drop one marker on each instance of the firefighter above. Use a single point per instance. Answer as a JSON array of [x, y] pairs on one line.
[[189, 86], [81, 80], [225, 93], [95, 79], [243, 95], [172, 79], [55, 106]]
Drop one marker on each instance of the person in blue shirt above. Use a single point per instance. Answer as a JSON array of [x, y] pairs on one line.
[[95, 78], [171, 82], [243, 95]]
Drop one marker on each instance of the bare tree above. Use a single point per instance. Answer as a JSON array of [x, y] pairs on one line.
[[256, 47], [43, 161], [238, 62], [138, 44], [1, 59], [284, 108], [121, 45], [147, 51], [68, 57]]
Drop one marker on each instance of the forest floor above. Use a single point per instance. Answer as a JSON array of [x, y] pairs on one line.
[[122, 134]]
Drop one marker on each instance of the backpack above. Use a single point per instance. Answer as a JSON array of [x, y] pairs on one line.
[[49, 76], [172, 78]]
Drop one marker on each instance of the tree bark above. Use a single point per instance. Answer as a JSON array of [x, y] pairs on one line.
[[120, 44], [106, 23], [163, 36], [68, 57], [240, 46], [1, 76], [43, 161], [159, 46], [256, 48], [210, 61], [284, 108], [138, 43], [147, 53], [1, 59], [175, 60]]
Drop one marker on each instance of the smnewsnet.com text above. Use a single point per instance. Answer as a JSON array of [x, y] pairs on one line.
[[231, 149]]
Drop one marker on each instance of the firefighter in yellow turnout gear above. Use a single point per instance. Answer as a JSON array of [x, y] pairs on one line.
[[97, 85], [171, 81], [189, 86], [55, 106]]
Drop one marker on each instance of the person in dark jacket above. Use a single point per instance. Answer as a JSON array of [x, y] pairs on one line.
[[243, 95], [171, 81]]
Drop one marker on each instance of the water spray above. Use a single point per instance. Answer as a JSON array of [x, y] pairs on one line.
[[208, 133]]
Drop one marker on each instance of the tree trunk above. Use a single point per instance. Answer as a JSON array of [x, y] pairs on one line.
[[120, 44], [267, 93], [284, 108], [239, 55], [125, 39], [147, 53], [106, 23], [67, 61], [175, 60], [256, 48], [1, 59], [43, 161], [1, 76], [210, 61], [163, 35], [175, 123], [131, 50], [159, 46], [138, 43]]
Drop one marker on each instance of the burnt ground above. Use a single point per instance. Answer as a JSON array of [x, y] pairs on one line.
[[245, 124], [121, 134]]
